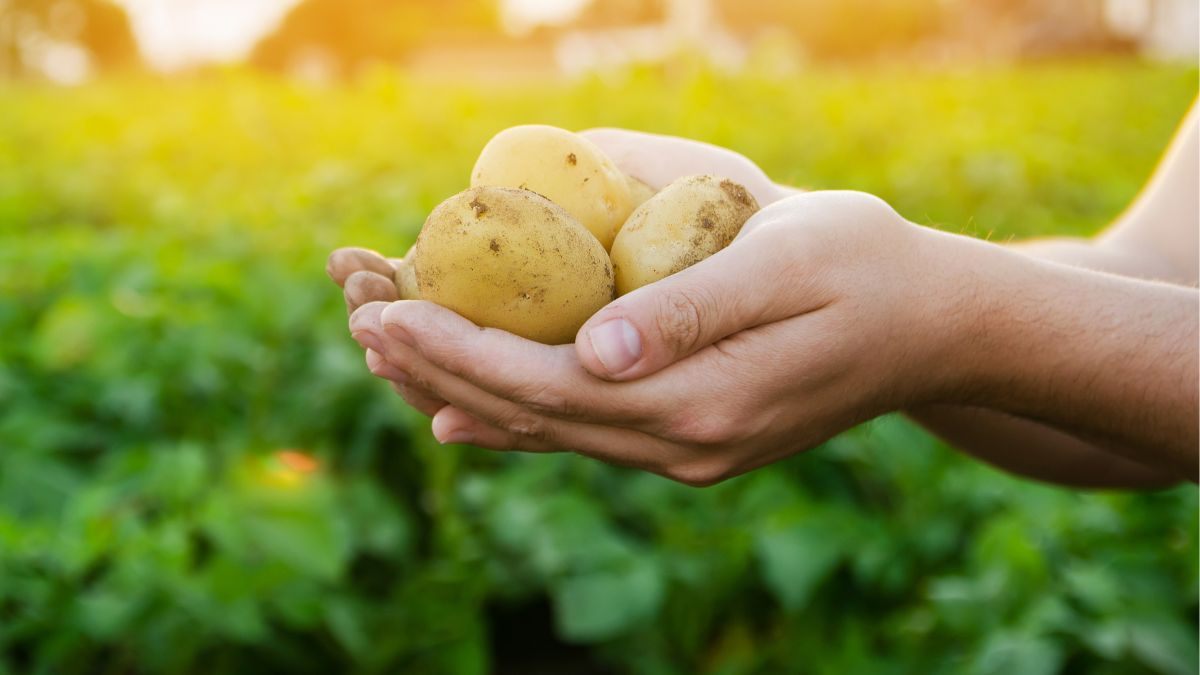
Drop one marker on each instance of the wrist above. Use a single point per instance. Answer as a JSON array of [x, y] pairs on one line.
[[1096, 354], [960, 290]]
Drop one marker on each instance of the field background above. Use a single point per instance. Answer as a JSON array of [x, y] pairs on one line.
[[198, 475]]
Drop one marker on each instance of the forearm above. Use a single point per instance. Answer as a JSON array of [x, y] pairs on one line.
[[1093, 354], [1034, 449]]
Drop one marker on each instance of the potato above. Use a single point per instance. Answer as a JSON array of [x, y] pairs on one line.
[[512, 259], [406, 278], [563, 167], [639, 192], [687, 221]]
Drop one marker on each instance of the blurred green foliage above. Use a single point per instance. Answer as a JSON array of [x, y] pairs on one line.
[[167, 331]]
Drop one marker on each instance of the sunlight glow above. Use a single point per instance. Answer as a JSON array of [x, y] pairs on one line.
[[176, 34], [286, 469], [295, 460]]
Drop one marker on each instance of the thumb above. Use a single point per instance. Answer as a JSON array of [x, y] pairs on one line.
[[753, 281]]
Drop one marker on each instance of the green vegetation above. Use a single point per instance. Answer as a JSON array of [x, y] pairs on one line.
[[167, 330]]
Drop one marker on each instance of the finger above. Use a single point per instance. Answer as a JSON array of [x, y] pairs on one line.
[[415, 396], [547, 380], [755, 280], [365, 286], [614, 446], [455, 425], [526, 430], [379, 367], [418, 398], [346, 261], [658, 160]]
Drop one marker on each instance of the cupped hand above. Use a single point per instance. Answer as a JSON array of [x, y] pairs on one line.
[[816, 318], [366, 276]]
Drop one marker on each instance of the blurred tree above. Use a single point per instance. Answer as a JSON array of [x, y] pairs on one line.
[[338, 36], [619, 13], [30, 28], [1031, 28], [988, 28], [844, 29]]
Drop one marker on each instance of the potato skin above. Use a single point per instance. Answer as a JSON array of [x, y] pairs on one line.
[[406, 278], [512, 259], [563, 167], [687, 221]]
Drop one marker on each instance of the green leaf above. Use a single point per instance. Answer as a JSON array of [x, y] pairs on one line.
[[1007, 653], [344, 617], [105, 613], [795, 560], [1165, 645], [600, 605]]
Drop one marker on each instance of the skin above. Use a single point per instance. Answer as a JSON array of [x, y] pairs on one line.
[[1048, 359]]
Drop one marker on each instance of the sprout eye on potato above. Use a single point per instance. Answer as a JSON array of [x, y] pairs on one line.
[[684, 223], [511, 259], [563, 167]]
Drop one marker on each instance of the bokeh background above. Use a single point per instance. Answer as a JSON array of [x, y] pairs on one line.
[[198, 475]]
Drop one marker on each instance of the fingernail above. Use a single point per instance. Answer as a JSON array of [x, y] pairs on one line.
[[457, 436], [368, 340], [617, 345]]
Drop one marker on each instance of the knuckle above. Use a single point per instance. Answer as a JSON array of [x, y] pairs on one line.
[[680, 316], [417, 377], [704, 429], [698, 474], [868, 204], [541, 397], [525, 424], [836, 209]]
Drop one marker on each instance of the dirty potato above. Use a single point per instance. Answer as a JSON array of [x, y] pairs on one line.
[[563, 167], [406, 277], [687, 221], [512, 259]]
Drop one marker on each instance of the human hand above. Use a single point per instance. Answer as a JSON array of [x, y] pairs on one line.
[[819, 316], [886, 315], [659, 160], [366, 276]]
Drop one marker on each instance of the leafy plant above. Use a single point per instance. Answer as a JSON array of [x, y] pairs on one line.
[[197, 474]]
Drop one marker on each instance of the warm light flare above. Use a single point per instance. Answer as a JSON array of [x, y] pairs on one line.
[[295, 460], [289, 469]]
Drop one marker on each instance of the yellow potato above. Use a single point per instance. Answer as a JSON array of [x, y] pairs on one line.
[[512, 259], [687, 221], [563, 167], [406, 277]]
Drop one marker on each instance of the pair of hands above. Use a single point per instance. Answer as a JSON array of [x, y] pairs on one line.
[[826, 311]]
